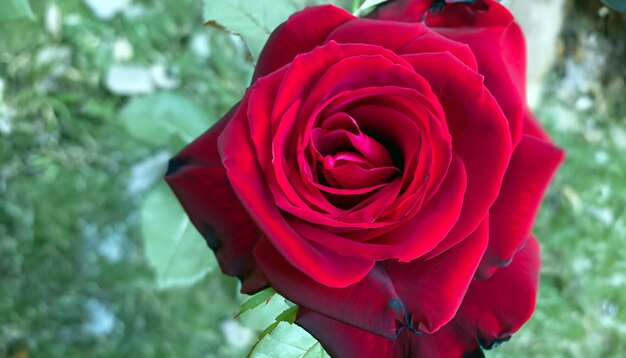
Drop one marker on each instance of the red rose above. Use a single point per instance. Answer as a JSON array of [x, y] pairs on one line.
[[384, 176]]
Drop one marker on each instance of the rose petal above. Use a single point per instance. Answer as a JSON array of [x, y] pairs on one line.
[[371, 303], [199, 180], [248, 182], [491, 311], [401, 10], [480, 136], [410, 240], [341, 340], [301, 33], [489, 30], [496, 308], [511, 217], [479, 13], [408, 38], [501, 56], [433, 289], [533, 127]]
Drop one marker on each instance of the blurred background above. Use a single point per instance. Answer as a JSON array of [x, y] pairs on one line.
[[95, 96]]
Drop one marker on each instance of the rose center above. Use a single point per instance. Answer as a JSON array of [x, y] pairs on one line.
[[347, 158]]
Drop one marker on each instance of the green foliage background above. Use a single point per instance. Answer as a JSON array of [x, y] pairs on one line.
[[74, 277]]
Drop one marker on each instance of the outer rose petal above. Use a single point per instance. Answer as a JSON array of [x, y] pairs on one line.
[[341, 340], [494, 38], [496, 308], [301, 33], [511, 217], [198, 178], [420, 295], [480, 136], [498, 44], [433, 289], [533, 128], [408, 38], [491, 311], [466, 13], [371, 304], [501, 56], [456, 13], [402, 10]]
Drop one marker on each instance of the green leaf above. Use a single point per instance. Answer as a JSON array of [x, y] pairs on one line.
[[252, 20], [264, 314], [255, 300], [15, 10], [617, 5], [288, 341], [166, 118], [367, 4], [315, 352], [174, 248], [288, 315]]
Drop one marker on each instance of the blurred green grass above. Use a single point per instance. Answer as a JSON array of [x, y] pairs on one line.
[[73, 277]]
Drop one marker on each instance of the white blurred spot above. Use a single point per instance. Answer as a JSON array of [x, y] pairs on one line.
[[145, 173], [601, 157], [236, 334], [53, 20], [106, 9], [6, 125], [609, 308], [129, 80], [58, 58], [200, 45], [6, 114], [572, 197], [122, 50], [101, 320], [72, 20], [110, 247], [617, 280], [604, 11], [604, 215], [133, 11], [581, 264], [583, 103], [162, 77], [619, 137]]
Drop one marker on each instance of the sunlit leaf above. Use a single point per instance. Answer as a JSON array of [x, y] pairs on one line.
[[254, 301], [287, 340], [178, 254], [288, 315], [265, 313], [367, 5], [15, 10], [253, 20], [163, 117]]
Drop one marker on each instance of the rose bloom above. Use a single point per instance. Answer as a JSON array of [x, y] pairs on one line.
[[383, 174]]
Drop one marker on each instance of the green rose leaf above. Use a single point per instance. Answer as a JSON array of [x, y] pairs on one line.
[[617, 5], [286, 340], [266, 312], [15, 10], [174, 248], [166, 118], [254, 20], [254, 301]]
